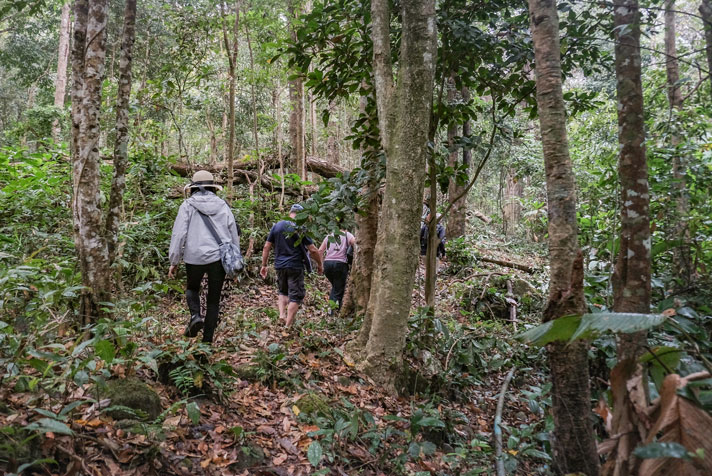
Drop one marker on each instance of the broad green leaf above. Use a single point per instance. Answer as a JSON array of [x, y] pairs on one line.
[[560, 329], [105, 350], [45, 425], [570, 328], [315, 453], [662, 450], [594, 324], [431, 421], [193, 412]]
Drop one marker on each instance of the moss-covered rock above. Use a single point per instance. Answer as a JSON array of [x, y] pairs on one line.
[[247, 372], [134, 394], [313, 403]]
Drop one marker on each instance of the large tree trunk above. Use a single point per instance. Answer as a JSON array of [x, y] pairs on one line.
[[631, 278], [91, 246], [574, 444], [457, 218], [60, 82], [404, 118], [121, 156], [682, 262], [706, 14]]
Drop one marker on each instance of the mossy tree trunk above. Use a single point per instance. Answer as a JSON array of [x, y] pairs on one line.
[[574, 443], [88, 59], [404, 111], [121, 156]]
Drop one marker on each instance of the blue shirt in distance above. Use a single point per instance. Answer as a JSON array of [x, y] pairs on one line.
[[286, 253]]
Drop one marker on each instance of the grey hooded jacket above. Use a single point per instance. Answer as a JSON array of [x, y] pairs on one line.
[[191, 239]]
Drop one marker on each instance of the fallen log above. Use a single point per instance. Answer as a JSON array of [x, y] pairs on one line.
[[315, 165], [482, 216], [245, 177], [507, 264]]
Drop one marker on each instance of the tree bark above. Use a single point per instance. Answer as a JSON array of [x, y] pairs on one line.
[[92, 249], [231, 51], [706, 14], [574, 443], [681, 259], [404, 119], [512, 208], [332, 141], [358, 289], [121, 157], [457, 218], [631, 277], [60, 83], [296, 116]]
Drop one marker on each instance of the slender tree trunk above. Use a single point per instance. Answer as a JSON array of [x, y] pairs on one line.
[[631, 278], [332, 141], [706, 14], [121, 157], [60, 83], [682, 262], [431, 254], [574, 444], [81, 8], [404, 118], [512, 208], [231, 50], [313, 125], [277, 107], [89, 59], [358, 289], [457, 218], [296, 115]]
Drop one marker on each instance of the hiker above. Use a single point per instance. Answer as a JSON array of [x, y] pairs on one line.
[[336, 263], [290, 261], [440, 229], [193, 242]]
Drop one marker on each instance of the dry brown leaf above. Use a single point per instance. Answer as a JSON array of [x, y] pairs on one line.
[[679, 421]]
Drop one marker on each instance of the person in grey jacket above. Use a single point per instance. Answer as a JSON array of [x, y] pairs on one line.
[[193, 242]]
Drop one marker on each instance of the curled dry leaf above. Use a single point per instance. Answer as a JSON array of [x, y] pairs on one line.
[[680, 421]]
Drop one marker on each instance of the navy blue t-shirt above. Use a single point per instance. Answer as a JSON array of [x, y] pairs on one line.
[[286, 253]]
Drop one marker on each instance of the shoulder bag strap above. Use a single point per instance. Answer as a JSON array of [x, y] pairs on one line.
[[209, 223]]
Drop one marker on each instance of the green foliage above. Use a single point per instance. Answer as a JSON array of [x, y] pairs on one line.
[[189, 367], [570, 328], [664, 450]]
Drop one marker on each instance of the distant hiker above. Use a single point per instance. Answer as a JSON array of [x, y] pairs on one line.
[[440, 253], [336, 263], [290, 261], [194, 242]]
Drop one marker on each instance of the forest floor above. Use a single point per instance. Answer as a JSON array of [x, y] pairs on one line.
[[282, 390]]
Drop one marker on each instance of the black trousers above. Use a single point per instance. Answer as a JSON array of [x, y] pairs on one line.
[[216, 277], [337, 273]]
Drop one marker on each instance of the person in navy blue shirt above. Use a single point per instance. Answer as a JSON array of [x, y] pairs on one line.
[[291, 257]]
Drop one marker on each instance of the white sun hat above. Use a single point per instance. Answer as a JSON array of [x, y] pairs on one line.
[[202, 178]]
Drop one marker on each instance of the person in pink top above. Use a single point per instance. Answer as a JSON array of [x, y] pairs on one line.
[[336, 263]]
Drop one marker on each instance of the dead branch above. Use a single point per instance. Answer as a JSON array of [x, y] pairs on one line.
[[498, 424]]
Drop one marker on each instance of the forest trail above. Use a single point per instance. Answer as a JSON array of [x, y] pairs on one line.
[[280, 371]]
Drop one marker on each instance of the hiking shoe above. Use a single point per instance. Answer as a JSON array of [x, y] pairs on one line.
[[194, 326]]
